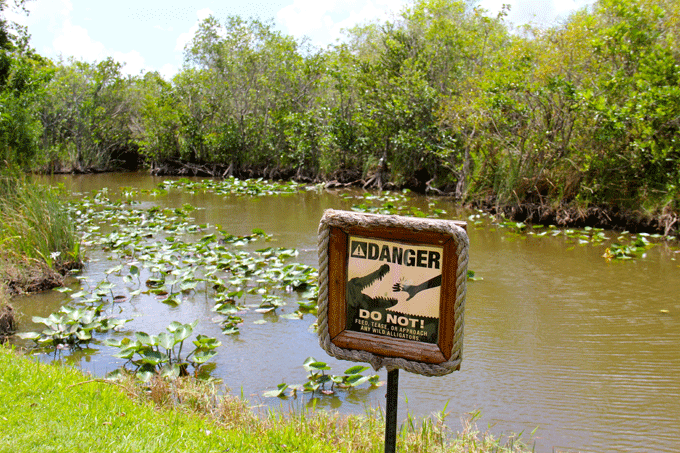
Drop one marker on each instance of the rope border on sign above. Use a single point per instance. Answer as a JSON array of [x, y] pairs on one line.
[[344, 220]]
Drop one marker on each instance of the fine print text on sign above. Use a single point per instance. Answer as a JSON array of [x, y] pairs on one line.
[[392, 290]]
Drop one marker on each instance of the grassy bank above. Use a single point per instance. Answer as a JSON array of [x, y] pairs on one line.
[[54, 408], [37, 236], [38, 242]]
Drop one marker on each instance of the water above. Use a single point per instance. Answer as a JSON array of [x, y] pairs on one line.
[[556, 337]]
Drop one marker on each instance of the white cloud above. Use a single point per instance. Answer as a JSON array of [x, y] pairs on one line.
[[168, 71], [44, 19], [75, 41], [322, 22], [69, 40], [307, 18], [308, 14], [49, 14], [537, 12], [185, 38], [54, 33], [133, 62], [565, 8], [368, 13], [204, 13], [182, 40]]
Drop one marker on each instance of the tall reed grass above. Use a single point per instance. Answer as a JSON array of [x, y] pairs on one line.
[[37, 235]]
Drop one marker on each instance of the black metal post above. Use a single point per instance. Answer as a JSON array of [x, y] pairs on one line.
[[391, 411]]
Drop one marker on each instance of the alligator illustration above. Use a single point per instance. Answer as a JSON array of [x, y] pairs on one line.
[[357, 299]]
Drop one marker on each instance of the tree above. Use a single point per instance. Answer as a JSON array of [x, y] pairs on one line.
[[23, 75], [87, 115], [244, 87]]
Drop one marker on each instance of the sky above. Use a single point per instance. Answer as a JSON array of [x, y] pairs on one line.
[[151, 34]]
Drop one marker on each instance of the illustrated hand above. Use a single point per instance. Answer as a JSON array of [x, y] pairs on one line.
[[410, 290]]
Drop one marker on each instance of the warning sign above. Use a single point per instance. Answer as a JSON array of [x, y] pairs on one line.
[[393, 289]]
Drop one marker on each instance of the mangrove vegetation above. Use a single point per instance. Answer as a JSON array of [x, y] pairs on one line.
[[571, 124]]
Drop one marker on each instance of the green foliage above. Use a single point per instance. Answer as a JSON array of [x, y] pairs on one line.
[[23, 76], [444, 97], [638, 124], [34, 227], [583, 113], [86, 114], [161, 355], [242, 101], [159, 110], [629, 251], [317, 379], [72, 327]]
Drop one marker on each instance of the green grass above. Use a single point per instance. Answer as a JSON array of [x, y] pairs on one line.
[[37, 235], [51, 408]]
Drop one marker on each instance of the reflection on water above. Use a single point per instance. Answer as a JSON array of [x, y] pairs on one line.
[[555, 337]]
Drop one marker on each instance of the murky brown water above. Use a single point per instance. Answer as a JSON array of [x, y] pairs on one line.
[[556, 338]]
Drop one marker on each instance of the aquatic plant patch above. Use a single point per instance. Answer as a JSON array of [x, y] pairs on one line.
[[626, 247], [161, 355], [159, 251], [72, 327], [318, 380], [233, 186], [160, 254], [392, 203], [634, 249]]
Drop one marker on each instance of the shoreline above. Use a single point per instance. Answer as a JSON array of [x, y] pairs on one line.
[[562, 214], [77, 412]]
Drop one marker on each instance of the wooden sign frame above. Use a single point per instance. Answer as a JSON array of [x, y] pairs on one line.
[[338, 231]]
